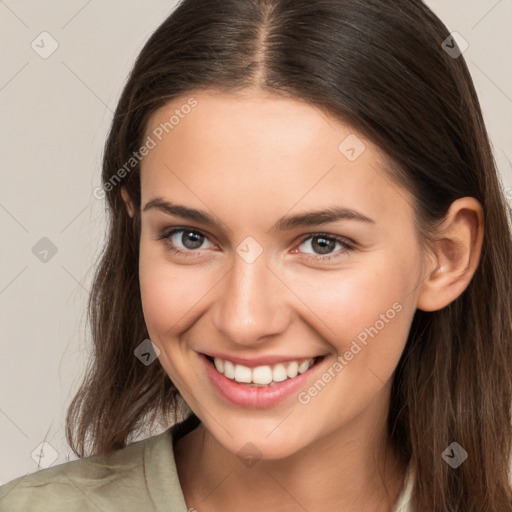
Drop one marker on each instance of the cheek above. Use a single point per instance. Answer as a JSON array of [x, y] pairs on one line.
[[357, 304], [168, 291]]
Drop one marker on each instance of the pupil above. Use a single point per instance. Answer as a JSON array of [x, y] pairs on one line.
[[325, 246], [195, 243]]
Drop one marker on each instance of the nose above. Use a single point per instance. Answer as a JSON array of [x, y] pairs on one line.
[[252, 303]]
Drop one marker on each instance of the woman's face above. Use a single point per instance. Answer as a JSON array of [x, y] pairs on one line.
[[265, 280]]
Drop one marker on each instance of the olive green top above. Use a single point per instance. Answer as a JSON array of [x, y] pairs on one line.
[[139, 478]]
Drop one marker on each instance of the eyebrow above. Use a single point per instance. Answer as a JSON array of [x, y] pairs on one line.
[[312, 218]]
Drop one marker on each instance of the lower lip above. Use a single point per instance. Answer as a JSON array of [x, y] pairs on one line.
[[258, 397]]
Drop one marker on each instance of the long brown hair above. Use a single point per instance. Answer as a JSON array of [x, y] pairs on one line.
[[382, 67]]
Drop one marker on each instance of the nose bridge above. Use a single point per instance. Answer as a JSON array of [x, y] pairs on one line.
[[250, 306]]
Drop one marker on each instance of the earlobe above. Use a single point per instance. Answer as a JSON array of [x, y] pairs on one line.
[[127, 202], [456, 255]]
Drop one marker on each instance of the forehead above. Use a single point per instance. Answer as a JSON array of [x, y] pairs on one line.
[[264, 149], [242, 127]]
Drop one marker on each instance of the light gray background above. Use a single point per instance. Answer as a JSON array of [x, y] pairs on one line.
[[55, 114]]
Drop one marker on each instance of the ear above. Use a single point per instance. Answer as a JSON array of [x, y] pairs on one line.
[[456, 255], [127, 201]]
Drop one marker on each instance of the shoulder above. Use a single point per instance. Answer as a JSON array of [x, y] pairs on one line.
[[102, 482]]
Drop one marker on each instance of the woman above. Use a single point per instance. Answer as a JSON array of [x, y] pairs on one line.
[[307, 230]]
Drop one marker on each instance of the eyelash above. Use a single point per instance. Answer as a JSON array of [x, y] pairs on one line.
[[346, 246]]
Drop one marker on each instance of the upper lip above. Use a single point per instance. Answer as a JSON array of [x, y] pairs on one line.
[[268, 360]]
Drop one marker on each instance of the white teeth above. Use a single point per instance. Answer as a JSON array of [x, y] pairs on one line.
[[293, 369], [242, 373], [219, 364], [279, 373], [262, 375], [229, 369], [304, 366]]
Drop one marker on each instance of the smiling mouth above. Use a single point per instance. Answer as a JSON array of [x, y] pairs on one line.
[[265, 375]]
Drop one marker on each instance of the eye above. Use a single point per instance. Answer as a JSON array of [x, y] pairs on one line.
[[324, 245], [184, 241], [188, 241]]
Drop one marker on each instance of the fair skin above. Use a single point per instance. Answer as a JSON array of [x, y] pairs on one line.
[[248, 160]]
